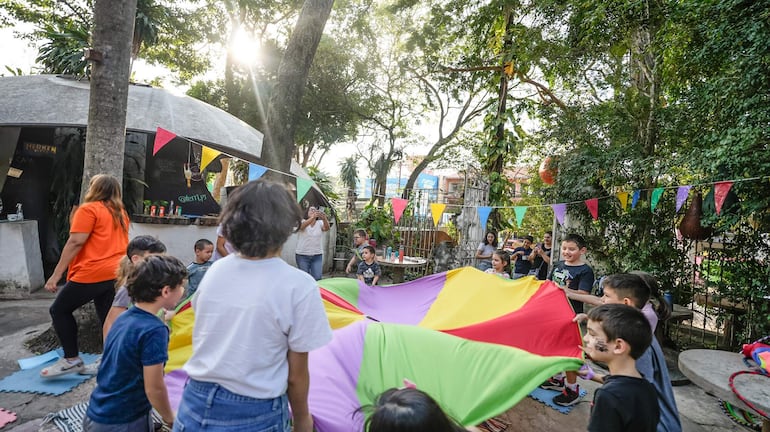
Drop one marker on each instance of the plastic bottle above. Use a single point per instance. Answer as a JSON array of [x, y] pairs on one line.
[[401, 253], [19, 212], [388, 252]]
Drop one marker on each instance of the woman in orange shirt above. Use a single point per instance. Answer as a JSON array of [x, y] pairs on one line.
[[98, 239]]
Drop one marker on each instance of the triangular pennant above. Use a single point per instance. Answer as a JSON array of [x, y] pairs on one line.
[[483, 212], [208, 155], [437, 210], [559, 210], [681, 196], [162, 137], [623, 198], [656, 194], [256, 171], [520, 211], [593, 207], [720, 193], [399, 205], [303, 185], [635, 198]]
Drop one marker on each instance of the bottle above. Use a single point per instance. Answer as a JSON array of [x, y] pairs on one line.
[[401, 253], [388, 252], [19, 212]]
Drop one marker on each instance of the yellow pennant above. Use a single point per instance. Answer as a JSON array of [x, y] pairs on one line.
[[437, 210], [623, 197], [208, 155]]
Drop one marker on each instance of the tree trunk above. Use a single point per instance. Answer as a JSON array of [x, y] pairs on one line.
[[283, 109], [106, 132]]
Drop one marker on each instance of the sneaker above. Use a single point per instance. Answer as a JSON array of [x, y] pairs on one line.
[[61, 367], [553, 383], [93, 368], [568, 397]]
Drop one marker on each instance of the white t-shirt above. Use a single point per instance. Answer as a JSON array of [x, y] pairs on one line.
[[248, 314], [228, 246], [309, 240]]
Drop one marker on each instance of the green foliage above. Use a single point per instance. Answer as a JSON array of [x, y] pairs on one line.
[[378, 222], [63, 53], [323, 181]]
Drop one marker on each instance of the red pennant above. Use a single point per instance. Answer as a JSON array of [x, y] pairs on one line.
[[399, 204], [162, 137], [720, 193], [593, 207]]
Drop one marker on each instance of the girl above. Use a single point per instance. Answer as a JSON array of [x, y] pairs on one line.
[[485, 251], [501, 264], [309, 253], [407, 410]]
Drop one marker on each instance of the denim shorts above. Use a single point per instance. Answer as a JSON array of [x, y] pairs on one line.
[[142, 424], [211, 407]]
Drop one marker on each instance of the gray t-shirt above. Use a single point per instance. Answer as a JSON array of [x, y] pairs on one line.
[[122, 299]]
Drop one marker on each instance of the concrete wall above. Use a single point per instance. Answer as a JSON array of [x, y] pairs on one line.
[[21, 266]]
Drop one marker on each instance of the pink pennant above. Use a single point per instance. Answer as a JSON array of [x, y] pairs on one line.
[[162, 137], [399, 204], [559, 210], [593, 207], [720, 193]]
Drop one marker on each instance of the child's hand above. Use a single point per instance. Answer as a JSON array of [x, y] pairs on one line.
[[581, 317], [167, 315], [586, 372]]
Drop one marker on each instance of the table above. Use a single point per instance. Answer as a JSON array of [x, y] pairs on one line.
[[400, 267], [711, 370]]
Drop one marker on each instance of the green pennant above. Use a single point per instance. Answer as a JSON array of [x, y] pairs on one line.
[[303, 185], [520, 211], [656, 194]]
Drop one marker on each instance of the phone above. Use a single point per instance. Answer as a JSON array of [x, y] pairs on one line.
[[322, 209]]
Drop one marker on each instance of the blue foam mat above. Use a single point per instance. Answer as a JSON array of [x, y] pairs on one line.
[[546, 397], [29, 380]]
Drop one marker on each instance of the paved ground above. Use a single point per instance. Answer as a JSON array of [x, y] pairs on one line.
[[22, 319]]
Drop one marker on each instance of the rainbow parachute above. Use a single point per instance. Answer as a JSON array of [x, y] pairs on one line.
[[475, 342]]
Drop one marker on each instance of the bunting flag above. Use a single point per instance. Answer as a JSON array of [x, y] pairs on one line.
[[437, 210], [656, 194], [720, 193], [520, 211], [483, 212], [162, 137], [623, 198], [559, 210], [256, 171], [593, 207], [303, 186], [635, 198], [399, 205], [207, 156], [681, 196]]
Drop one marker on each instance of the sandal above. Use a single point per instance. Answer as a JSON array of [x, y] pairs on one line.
[[62, 367]]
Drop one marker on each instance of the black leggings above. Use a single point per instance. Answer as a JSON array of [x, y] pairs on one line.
[[72, 296]]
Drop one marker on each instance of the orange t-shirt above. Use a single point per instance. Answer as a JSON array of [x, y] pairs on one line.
[[99, 258]]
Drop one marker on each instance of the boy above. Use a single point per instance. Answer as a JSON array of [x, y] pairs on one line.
[[368, 270], [203, 251], [360, 240], [617, 335], [574, 277], [131, 382], [520, 256]]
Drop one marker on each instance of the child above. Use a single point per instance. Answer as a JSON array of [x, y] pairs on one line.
[[131, 383], [521, 258], [256, 320], [407, 410], [501, 264], [368, 270], [573, 276], [203, 251], [618, 335], [485, 251], [360, 240]]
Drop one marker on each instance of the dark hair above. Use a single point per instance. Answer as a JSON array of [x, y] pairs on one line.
[[259, 217], [505, 258], [369, 248], [409, 410], [548, 233], [145, 243], [150, 275], [530, 238], [662, 311], [494, 242], [628, 285], [202, 244], [575, 238], [619, 321], [361, 233]]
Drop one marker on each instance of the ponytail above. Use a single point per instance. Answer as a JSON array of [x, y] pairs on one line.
[[662, 310]]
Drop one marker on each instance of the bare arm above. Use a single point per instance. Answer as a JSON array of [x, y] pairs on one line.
[[74, 243], [112, 315], [221, 246], [156, 392], [581, 296], [325, 220], [299, 384]]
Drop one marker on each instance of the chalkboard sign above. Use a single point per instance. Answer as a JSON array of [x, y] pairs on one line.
[[167, 180]]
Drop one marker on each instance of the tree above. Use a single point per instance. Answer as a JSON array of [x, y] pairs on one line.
[[349, 178]]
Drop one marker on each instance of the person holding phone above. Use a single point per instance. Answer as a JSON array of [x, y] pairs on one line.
[[309, 253]]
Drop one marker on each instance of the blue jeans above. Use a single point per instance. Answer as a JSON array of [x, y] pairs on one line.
[[311, 264], [484, 265], [210, 407]]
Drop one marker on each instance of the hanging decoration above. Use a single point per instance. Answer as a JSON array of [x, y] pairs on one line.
[[162, 137], [437, 210], [593, 207], [635, 199], [691, 227], [547, 172], [483, 212], [720, 193], [623, 198], [655, 197], [399, 205], [520, 211], [303, 186], [207, 156], [256, 171], [681, 196], [559, 210]]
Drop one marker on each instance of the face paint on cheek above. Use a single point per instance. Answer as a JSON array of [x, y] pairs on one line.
[[600, 345]]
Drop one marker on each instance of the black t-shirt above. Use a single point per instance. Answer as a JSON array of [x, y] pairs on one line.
[[540, 265], [522, 264], [579, 277], [625, 404]]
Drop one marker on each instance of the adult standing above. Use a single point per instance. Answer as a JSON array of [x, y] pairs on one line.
[[256, 319], [485, 251], [309, 253], [541, 257], [97, 241]]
